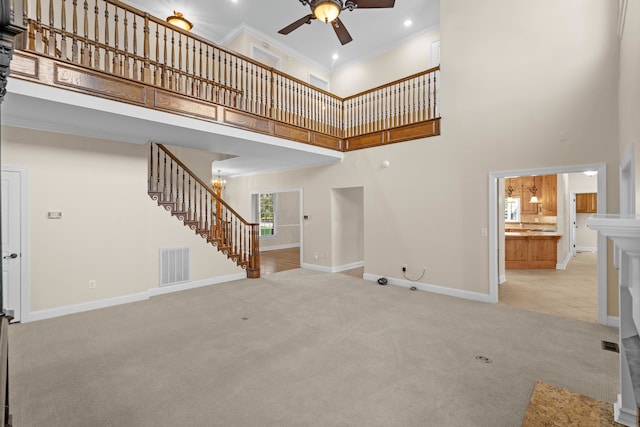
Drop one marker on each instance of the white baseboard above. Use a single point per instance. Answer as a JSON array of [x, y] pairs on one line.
[[502, 279], [85, 306], [335, 269], [125, 299], [587, 248], [458, 293], [563, 265], [613, 321], [624, 416], [196, 284], [277, 247]]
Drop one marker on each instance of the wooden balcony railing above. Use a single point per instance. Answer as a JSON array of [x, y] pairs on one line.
[[112, 38], [189, 199]]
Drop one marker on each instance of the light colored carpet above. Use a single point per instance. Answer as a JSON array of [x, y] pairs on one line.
[[552, 406], [300, 348]]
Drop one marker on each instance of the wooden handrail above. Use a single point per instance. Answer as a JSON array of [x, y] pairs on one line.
[[203, 184], [395, 82]]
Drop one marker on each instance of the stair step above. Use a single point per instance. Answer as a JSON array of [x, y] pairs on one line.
[[190, 223], [155, 195], [179, 213]]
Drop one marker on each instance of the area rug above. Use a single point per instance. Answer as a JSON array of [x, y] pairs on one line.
[[552, 406]]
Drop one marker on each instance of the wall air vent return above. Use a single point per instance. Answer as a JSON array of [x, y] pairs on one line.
[[174, 266]]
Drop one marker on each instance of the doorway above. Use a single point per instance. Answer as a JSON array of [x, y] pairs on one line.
[[496, 224], [14, 242], [279, 213]]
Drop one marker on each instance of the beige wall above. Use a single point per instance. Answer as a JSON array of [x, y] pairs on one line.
[[110, 230], [289, 64], [508, 86], [411, 57]]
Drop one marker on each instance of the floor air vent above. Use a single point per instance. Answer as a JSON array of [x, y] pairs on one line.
[[174, 266], [610, 346]]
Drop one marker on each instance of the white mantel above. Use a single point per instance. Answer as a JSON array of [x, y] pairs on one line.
[[624, 230]]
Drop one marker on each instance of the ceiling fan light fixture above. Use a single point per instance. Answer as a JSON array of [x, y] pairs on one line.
[[327, 10], [178, 20]]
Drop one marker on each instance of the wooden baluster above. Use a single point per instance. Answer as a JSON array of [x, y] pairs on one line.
[[96, 36], [51, 40], [157, 168], [172, 81], [117, 61], [107, 61], [63, 27], [201, 84], [184, 190], [164, 177], [37, 42], [207, 94], [435, 95], [74, 42], [157, 70], [125, 65], [150, 177], [86, 49], [423, 100], [194, 72], [146, 71], [164, 81], [179, 70], [135, 71], [187, 85]]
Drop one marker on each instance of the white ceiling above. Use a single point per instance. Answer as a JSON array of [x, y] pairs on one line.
[[373, 30]]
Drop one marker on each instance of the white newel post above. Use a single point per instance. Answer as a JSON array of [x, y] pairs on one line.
[[625, 233]]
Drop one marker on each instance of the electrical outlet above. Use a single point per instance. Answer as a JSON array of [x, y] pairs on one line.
[[404, 267], [92, 284]]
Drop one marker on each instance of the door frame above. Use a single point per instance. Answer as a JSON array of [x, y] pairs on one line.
[[25, 305], [601, 168], [300, 213]]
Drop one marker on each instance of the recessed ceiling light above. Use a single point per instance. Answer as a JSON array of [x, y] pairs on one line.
[[334, 56], [408, 23]]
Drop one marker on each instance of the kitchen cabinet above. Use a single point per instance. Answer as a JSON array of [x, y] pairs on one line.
[[549, 195], [531, 250], [587, 203], [546, 191]]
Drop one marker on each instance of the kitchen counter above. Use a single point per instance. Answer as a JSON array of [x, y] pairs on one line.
[[531, 249]]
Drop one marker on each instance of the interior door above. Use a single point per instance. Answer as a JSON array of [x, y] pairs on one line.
[[11, 244]]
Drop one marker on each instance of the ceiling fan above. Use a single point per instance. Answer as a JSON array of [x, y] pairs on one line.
[[329, 10]]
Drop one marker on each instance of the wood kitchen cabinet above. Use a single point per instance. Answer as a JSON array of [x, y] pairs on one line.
[[587, 203], [549, 197], [547, 193]]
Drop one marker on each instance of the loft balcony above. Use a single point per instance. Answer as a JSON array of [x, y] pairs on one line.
[[107, 49]]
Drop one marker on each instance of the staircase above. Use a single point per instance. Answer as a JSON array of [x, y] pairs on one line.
[[178, 190]]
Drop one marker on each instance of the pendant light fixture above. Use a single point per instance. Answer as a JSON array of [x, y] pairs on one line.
[[509, 193], [533, 190]]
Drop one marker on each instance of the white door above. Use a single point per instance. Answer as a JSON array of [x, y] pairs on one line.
[[572, 224], [11, 245]]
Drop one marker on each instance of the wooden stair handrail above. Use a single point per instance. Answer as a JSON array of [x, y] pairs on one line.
[[205, 186]]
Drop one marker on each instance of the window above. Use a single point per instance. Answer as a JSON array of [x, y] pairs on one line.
[[512, 210], [267, 214]]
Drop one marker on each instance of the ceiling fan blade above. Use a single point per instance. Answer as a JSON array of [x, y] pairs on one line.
[[304, 20], [341, 31], [373, 4]]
